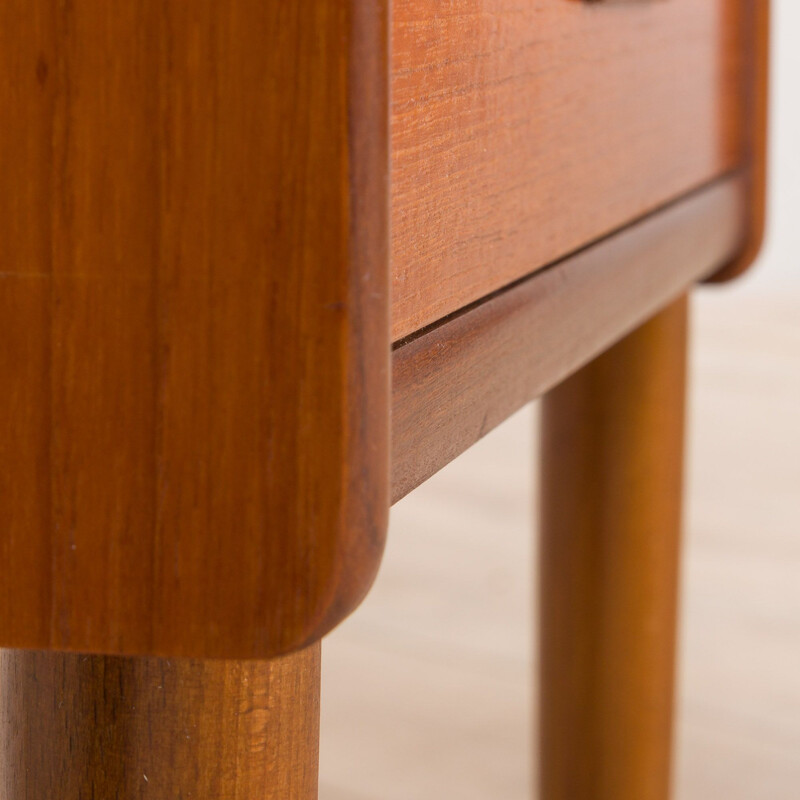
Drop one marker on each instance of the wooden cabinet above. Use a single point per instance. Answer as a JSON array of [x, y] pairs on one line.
[[242, 243]]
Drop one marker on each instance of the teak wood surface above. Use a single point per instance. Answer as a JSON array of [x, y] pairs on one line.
[[196, 327], [78, 727], [523, 131], [197, 411], [612, 472], [194, 304], [457, 380]]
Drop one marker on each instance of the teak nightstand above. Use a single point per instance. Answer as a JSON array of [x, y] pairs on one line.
[[244, 242]]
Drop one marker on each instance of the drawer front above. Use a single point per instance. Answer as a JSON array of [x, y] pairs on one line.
[[523, 131]]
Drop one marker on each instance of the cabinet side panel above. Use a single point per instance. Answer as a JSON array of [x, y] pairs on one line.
[[187, 409]]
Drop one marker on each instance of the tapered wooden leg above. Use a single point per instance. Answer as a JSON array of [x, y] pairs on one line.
[[612, 439], [121, 728]]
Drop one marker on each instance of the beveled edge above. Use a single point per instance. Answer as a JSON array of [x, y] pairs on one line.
[[367, 490], [755, 123], [456, 380]]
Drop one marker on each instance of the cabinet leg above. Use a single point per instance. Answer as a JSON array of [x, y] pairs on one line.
[[612, 459], [76, 727]]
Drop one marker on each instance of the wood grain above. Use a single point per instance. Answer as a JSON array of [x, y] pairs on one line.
[[612, 467], [194, 296], [103, 727], [522, 131], [456, 381]]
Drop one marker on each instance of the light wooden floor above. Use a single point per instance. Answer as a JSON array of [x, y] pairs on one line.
[[427, 689]]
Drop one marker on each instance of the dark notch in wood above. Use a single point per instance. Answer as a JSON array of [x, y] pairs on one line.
[[455, 381]]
